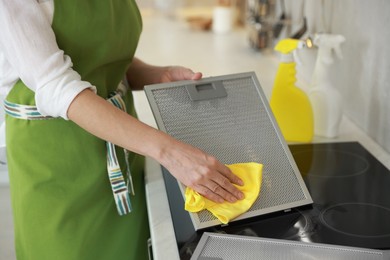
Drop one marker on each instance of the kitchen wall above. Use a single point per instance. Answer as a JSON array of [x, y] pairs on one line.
[[362, 76]]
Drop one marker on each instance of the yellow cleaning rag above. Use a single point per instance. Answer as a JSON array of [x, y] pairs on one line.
[[250, 173]]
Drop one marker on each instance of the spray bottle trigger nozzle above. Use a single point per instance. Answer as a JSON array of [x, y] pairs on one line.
[[338, 52], [297, 60]]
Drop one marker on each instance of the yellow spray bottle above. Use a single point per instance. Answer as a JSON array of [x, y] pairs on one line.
[[290, 105]]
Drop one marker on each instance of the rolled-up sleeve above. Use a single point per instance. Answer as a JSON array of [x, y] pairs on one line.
[[29, 46]]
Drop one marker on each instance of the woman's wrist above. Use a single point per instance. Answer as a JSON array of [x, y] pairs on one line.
[[140, 74]]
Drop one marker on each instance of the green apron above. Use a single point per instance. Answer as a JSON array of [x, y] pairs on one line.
[[61, 196]]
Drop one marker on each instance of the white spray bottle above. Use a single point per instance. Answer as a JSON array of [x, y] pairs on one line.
[[324, 97]]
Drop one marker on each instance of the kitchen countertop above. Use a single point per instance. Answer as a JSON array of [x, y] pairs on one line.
[[170, 41]]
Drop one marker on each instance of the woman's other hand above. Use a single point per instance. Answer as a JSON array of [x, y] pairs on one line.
[[141, 74], [176, 73]]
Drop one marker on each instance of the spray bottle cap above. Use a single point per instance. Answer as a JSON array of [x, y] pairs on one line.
[[328, 43], [288, 47]]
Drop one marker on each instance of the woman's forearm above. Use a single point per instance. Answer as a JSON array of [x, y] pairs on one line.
[[140, 74], [109, 123], [189, 165]]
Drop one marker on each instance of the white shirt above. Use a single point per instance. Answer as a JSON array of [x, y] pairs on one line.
[[28, 51]]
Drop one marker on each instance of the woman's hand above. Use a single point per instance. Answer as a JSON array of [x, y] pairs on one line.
[[176, 73], [201, 172], [141, 74]]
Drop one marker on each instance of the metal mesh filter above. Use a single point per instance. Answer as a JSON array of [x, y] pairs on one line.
[[237, 127], [220, 246]]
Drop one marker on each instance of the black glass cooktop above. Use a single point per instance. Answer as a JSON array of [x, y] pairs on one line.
[[351, 193]]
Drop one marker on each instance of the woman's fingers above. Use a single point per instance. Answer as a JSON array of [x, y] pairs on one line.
[[196, 76], [226, 188], [219, 192], [201, 172], [206, 192], [225, 171], [175, 73], [216, 187]]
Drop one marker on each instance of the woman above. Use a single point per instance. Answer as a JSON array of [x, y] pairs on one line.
[[60, 62]]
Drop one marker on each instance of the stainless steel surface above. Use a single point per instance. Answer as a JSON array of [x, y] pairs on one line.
[[236, 128], [226, 247]]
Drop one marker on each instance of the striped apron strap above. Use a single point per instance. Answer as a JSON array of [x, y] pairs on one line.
[[120, 188], [23, 111]]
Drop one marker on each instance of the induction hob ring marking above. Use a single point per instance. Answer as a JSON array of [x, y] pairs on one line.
[[322, 218], [366, 163]]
